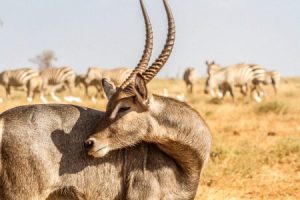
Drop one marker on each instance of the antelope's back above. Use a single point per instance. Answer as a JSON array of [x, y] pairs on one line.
[[41, 146]]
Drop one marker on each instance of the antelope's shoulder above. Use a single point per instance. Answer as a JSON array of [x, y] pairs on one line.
[[48, 113]]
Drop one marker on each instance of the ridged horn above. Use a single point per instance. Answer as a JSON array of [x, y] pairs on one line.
[[142, 65], [165, 54]]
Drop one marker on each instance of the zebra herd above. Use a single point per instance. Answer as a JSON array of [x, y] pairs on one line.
[[249, 78], [61, 78]]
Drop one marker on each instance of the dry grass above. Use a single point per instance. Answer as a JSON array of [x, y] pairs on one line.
[[256, 147]]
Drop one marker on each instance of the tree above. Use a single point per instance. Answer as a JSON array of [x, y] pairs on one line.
[[45, 59]]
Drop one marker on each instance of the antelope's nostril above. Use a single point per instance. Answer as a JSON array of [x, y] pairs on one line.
[[88, 144]]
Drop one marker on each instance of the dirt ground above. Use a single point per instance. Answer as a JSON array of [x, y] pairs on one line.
[[256, 146]]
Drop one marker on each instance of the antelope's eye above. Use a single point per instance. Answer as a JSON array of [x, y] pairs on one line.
[[123, 109]]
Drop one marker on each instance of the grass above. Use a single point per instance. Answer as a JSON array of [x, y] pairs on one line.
[[273, 107], [247, 162]]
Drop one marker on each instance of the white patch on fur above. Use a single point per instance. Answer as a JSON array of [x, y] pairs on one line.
[[1, 100], [155, 106], [115, 111]]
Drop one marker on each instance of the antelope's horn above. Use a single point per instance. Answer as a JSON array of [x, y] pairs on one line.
[[142, 65], [165, 54]]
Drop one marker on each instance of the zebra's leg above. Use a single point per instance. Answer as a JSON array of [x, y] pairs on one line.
[[257, 97], [43, 90], [30, 95], [230, 89], [68, 98], [274, 85], [261, 92], [189, 88], [212, 93], [221, 91], [53, 95], [244, 90], [98, 93], [86, 90], [7, 90], [43, 98], [255, 93], [30, 91]]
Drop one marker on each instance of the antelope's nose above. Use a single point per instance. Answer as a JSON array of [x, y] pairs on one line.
[[205, 91], [89, 143]]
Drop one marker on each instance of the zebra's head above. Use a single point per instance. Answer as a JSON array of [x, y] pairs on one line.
[[211, 86], [128, 111], [212, 67]]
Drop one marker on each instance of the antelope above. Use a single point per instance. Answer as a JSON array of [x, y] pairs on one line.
[[134, 116], [190, 77], [43, 155]]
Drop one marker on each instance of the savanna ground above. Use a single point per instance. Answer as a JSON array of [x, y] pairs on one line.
[[256, 146]]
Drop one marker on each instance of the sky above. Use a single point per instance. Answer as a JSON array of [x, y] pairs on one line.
[[110, 33]]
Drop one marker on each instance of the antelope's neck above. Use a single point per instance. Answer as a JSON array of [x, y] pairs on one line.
[[178, 131]]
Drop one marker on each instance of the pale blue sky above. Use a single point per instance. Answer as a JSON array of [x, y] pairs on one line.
[[110, 33]]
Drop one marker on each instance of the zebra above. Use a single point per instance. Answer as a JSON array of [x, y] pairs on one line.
[[16, 78], [57, 78], [190, 77], [265, 77], [223, 79], [95, 75]]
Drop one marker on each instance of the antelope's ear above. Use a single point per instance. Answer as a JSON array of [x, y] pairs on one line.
[[213, 62], [206, 62], [140, 86], [109, 88]]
